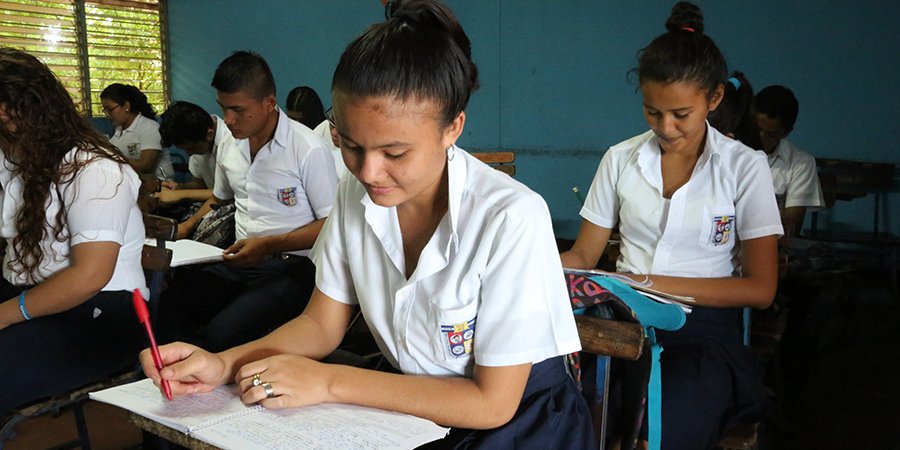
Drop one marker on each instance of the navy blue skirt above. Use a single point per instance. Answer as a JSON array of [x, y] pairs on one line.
[[552, 415], [709, 379]]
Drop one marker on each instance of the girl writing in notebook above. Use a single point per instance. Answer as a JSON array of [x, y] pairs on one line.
[[697, 216], [452, 263], [73, 235]]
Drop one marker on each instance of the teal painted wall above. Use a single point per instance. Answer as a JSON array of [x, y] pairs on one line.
[[554, 73]]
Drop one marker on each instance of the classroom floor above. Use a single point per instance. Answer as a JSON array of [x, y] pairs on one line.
[[833, 376]]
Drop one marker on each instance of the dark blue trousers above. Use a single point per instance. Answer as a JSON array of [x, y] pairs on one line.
[[54, 354], [219, 307]]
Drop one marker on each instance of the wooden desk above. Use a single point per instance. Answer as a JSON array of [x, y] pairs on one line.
[[168, 434]]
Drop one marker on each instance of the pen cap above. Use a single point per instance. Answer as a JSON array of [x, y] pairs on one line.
[[140, 306]]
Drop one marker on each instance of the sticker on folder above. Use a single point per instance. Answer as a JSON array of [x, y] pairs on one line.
[[460, 337], [722, 228]]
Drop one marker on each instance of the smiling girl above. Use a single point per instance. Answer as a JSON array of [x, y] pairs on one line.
[[697, 216], [452, 263]]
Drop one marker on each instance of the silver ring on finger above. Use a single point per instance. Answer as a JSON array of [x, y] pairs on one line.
[[267, 387]]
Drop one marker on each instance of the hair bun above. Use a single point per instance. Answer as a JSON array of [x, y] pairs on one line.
[[685, 16]]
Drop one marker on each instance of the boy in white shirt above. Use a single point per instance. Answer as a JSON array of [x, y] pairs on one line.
[[793, 170]]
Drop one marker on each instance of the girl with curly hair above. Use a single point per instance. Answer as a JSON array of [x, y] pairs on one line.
[[73, 235]]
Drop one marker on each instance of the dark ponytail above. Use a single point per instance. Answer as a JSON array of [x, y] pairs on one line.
[[735, 114], [121, 93], [683, 53], [421, 51]]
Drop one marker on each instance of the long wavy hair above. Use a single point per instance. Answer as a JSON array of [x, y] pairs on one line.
[[43, 127]]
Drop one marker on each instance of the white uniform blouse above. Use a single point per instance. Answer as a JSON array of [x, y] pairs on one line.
[[488, 287], [728, 198], [324, 130], [795, 176], [101, 206], [290, 183], [203, 166], [143, 134]]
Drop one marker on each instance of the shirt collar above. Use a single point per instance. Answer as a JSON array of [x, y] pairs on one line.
[[281, 128], [648, 157], [134, 123], [382, 219]]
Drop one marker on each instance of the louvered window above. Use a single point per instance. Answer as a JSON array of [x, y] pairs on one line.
[[90, 44]]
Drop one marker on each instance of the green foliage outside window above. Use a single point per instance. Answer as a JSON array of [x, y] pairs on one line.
[[90, 44]]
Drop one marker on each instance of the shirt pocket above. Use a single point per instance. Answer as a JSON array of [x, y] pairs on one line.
[[453, 332], [718, 228]]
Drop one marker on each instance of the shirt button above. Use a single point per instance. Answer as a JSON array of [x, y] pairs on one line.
[[403, 295]]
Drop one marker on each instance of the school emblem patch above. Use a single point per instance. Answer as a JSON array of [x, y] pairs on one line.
[[460, 337], [288, 196], [722, 228]]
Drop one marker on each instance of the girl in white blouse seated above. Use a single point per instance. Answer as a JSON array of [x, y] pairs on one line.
[[73, 235], [453, 264], [697, 216]]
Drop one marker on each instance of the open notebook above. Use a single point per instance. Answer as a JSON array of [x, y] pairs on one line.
[[220, 419], [186, 252]]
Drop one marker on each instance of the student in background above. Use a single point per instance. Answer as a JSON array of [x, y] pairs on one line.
[[304, 106], [429, 242], [697, 217], [793, 170], [137, 133], [280, 176], [330, 135], [73, 236], [735, 116], [200, 134]]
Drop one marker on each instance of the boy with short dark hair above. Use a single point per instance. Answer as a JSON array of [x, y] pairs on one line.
[[793, 170]]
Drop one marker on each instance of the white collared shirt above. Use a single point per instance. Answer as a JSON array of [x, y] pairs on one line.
[[488, 287], [101, 206], [203, 166], [324, 130], [143, 134], [728, 198], [795, 177], [290, 183]]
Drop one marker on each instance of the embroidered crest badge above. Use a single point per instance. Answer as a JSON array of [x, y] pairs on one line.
[[288, 196], [722, 228], [460, 337]]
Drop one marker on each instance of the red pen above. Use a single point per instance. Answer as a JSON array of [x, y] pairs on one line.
[[140, 307]]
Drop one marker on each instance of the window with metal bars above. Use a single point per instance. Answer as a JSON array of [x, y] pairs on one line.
[[90, 44]]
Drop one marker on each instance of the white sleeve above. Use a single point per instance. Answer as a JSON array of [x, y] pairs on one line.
[[149, 135], [601, 207], [755, 206], [222, 188], [99, 203], [319, 179], [524, 314], [803, 187], [329, 254]]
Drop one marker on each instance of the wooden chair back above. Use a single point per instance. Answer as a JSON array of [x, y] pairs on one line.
[[502, 161]]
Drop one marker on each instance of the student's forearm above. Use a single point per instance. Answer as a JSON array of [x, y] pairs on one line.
[[731, 292], [450, 401], [315, 334], [65, 289], [300, 239], [186, 228], [194, 195], [195, 183]]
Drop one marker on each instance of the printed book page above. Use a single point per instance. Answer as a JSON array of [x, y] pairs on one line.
[[219, 418], [186, 252]]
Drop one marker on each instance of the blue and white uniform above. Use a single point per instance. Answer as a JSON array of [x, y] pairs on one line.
[[695, 234], [488, 288], [52, 354]]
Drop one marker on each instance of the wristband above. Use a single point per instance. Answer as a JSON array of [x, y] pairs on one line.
[[22, 305]]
